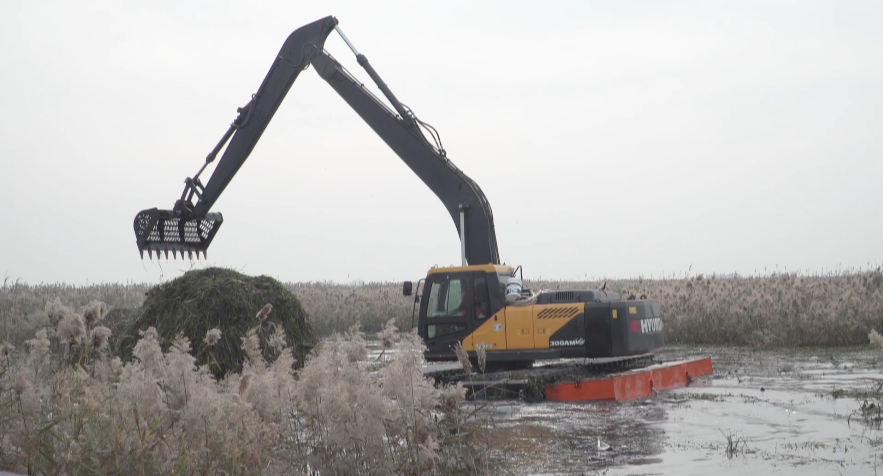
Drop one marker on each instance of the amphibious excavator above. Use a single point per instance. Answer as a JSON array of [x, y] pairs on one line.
[[481, 304]]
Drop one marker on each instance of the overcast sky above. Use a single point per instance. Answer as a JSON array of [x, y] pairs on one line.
[[613, 139]]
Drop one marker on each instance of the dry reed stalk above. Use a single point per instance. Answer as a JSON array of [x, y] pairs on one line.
[[463, 357], [264, 312], [481, 355]]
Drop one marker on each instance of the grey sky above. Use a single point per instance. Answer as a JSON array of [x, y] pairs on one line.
[[612, 138]]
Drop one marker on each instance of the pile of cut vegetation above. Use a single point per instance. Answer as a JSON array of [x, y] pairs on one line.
[[202, 300]]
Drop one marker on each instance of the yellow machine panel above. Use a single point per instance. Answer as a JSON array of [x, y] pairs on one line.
[[522, 327], [519, 327], [467, 343], [491, 334], [548, 318]]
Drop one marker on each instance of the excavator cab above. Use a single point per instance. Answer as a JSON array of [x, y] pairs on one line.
[[455, 303]]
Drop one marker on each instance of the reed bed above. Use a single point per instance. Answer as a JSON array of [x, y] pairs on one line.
[[68, 407], [773, 310]]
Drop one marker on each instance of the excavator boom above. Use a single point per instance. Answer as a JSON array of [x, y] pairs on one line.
[[189, 227], [457, 192]]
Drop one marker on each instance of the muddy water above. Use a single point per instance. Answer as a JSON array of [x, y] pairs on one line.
[[775, 410]]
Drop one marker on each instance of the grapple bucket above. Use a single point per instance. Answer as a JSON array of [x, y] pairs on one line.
[[164, 231]]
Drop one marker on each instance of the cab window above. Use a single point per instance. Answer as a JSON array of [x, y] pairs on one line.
[[446, 298]]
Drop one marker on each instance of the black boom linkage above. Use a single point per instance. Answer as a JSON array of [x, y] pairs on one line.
[[189, 227]]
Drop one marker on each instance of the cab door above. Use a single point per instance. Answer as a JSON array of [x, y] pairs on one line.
[[490, 330], [445, 316]]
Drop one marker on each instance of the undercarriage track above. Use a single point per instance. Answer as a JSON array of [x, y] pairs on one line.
[[528, 384]]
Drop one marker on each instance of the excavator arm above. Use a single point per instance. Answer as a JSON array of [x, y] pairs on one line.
[[189, 227]]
